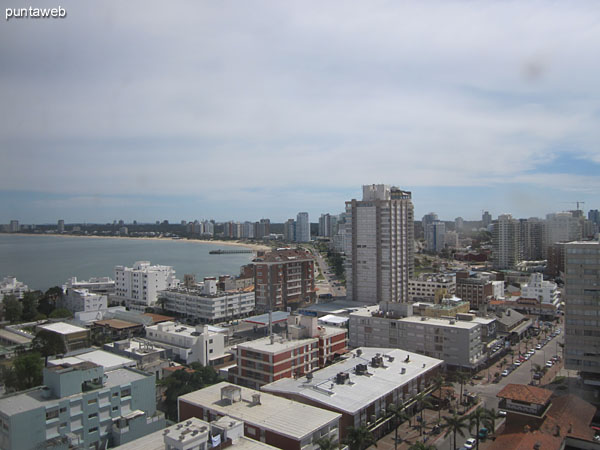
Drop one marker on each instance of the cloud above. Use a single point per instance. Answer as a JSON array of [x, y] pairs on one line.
[[217, 99]]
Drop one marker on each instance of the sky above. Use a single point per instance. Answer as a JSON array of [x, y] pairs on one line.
[[148, 110]]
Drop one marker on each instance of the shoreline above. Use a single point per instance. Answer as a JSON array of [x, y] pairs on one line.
[[255, 247]]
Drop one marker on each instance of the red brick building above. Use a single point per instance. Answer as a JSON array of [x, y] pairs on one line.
[[284, 278]]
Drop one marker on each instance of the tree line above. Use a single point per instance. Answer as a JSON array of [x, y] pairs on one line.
[[35, 305]]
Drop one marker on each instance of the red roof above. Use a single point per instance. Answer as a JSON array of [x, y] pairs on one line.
[[525, 393]]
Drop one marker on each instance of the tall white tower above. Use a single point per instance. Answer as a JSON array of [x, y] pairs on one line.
[[379, 254]]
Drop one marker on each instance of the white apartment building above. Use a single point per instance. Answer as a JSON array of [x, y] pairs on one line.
[[104, 285], [561, 227], [82, 300], [506, 241], [189, 344], [379, 254], [302, 227], [11, 286], [537, 288], [207, 304], [451, 239], [428, 285], [139, 285], [457, 342]]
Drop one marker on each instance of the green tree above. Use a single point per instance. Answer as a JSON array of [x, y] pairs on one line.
[[326, 443], [462, 378], [454, 424], [422, 401], [47, 303], [398, 411], [30, 303], [359, 438], [12, 308], [61, 313], [480, 416], [25, 373], [184, 381], [439, 381], [48, 344]]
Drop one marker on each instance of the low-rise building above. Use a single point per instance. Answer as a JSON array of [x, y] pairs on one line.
[[361, 387], [190, 344], [73, 337], [457, 341], [538, 288], [98, 285], [430, 287], [81, 406], [109, 361], [11, 286], [196, 434], [82, 300], [205, 303], [115, 329], [476, 288], [148, 356], [271, 419]]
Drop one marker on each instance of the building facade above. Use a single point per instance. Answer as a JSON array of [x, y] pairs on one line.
[[430, 285], [81, 406], [283, 278], [379, 255], [582, 308], [302, 227], [11, 286], [82, 300], [506, 242], [435, 236], [138, 286]]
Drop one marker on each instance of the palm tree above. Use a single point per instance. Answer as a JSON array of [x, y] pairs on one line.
[[454, 424], [492, 416], [478, 417], [462, 378], [511, 352], [326, 443], [422, 402], [360, 437], [398, 411]]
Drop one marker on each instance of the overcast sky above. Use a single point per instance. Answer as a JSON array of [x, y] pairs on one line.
[[239, 110]]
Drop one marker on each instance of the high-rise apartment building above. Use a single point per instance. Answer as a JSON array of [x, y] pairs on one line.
[[139, 285], [14, 226], [532, 238], [289, 230], [283, 278], [325, 225], [594, 216], [561, 227], [434, 236], [582, 307], [302, 227], [486, 219], [379, 254], [427, 219], [506, 242], [61, 226], [262, 228]]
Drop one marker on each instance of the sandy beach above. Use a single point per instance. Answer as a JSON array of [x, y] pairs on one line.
[[252, 246]]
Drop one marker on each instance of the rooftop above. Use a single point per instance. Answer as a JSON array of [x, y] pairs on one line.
[[360, 390], [284, 255], [279, 344], [108, 360], [32, 399], [273, 413], [525, 393], [62, 328], [263, 319], [117, 324]]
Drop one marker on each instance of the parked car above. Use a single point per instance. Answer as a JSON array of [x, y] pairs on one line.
[[549, 363], [537, 376], [505, 372], [471, 442], [538, 347], [483, 433], [501, 413], [517, 363]]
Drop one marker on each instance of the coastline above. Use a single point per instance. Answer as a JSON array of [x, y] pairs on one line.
[[255, 247]]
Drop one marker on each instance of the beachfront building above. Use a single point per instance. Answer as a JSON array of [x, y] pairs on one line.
[[379, 254], [81, 406], [206, 303], [82, 300], [11, 286], [138, 286], [362, 387], [271, 419], [189, 344], [283, 278], [98, 285]]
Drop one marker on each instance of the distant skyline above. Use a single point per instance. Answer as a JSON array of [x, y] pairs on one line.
[[237, 111]]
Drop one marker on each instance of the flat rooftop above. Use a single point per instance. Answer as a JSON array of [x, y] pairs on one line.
[[108, 360], [263, 319], [32, 399], [293, 419], [18, 339], [361, 390], [279, 344], [62, 328], [117, 324]]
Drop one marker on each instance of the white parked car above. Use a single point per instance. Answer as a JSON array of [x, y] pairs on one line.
[[471, 442]]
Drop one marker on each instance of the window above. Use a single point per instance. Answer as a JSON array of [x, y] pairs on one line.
[[52, 414], [93, 430], [126, 392], [115, 408], [62, 410], [93, 415], [92, 401], [115, 394]]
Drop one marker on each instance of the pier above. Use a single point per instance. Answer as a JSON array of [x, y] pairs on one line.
[[228, 252]]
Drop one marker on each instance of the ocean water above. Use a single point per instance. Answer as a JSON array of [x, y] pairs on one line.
[[45, 261]]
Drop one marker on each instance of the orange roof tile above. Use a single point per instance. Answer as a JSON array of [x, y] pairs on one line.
[[524, 393]]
